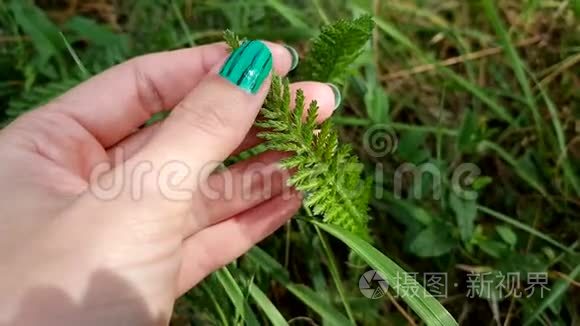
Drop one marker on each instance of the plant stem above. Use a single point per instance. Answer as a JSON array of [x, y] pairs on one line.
[[214, 301], [287, 249], [360, 122], [333, 269], [525, 227]]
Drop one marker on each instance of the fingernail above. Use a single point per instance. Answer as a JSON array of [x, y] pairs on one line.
[[337, 95], [295, 56], [248, 66]]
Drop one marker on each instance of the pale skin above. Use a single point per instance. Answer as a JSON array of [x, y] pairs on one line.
[[71, 257]]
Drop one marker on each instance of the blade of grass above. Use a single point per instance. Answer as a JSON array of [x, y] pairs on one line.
[[477, 91], [321, 307], [439, 132], [558, 129], [289, 13], [423, 303], [520, 171], [557, 291], [321, 12], [85, 73], [309, 297], [351, 121], [417, 11], [268, 264], [335, 274], [561, 139], [399, 37], [314, 265], [517, 63], [43, 32], [236, 296], [182, 23], [267, 306], [207, 289], [524, 227], [361, 122]]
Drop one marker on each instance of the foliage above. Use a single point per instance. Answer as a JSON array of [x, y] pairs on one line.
[[335, 49], [493, 84], [325, 170], [232, 39], [38, 96]]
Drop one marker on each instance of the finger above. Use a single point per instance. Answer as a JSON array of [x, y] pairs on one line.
[[251, 141], [325, 95], [220, 244], [213, 120], [113, 104], [131, 145], [236, 189], [239, 188]]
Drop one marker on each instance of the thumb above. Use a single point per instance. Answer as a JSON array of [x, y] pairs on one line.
[[210, 123]]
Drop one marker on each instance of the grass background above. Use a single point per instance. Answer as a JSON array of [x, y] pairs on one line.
[[492, 83]]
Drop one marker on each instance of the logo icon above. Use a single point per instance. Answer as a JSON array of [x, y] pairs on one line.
[[373, 285], [380, 140]]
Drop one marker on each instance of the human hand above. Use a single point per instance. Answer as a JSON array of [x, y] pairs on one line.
[[87, 238]]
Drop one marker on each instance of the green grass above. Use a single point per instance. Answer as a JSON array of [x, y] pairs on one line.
[[513, 114]]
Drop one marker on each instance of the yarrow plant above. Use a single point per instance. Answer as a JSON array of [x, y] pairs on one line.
[[324, 169]]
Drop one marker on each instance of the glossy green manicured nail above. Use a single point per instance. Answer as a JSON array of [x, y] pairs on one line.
[[337, 95], [295, 56], [248, 66]]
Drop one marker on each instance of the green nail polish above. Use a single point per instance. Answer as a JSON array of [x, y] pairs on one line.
[[295, 56], [248, 66], [337, 95]]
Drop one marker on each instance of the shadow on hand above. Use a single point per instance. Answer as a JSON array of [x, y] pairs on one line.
[[109, 300]]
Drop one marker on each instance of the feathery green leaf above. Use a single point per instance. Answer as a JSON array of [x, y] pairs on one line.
[[232, 39], [335, 49], [326, 170]]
